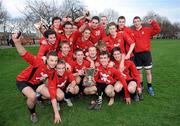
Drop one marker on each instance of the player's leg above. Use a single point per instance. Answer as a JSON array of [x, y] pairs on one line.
[[90, 90], [148, 70], [31, 102], [118, 86], [109, 90], [100, 89], [139, 66], [30, 94]]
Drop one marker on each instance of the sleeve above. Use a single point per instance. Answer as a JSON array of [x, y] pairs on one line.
[[135, 74], [70, 77], [103, 33], [127, 38], [155, 28], [31, 59], [52, 86], [42, 51], [40, 41], [123, 81]]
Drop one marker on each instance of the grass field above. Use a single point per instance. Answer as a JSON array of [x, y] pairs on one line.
[[161, 110]]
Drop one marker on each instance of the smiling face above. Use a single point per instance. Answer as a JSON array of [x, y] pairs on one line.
[[86, 34], [112, 30], [61, 68], [137, 23], [117, 55], [65, 48], [79, 56], [57, 23], [92, 52], [94, 23], [52, 61], [51, 39], [68, 29], [121, 23], [104, 60]]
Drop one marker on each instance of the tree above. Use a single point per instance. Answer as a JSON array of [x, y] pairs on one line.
[[73, 8], [111, 14], [4, 16], [168, 30]]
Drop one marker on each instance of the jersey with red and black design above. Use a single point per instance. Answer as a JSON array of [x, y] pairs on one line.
[[143, 37], [97, 34], [44, 49], [110, 75], [68, 58], [130, 34], [58, 38], [130, 71], [71, 39], [59, 82], [118, 41], [84, 45], [36, 72], [76, 67]]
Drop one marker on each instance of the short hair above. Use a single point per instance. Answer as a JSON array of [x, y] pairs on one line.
[[51, 53], [64, 42], [101, 43], [121, 17], [67, 23], [78, 50], [136, 17], [95, 18], [103, 16], [93, 46], [87, 28], [49, 32], [115, 49], [104, 53], [56, 18], [61, 62], [112, 24]]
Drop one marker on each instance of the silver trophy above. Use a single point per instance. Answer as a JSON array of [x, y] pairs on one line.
[[42, 25], [89, 75]]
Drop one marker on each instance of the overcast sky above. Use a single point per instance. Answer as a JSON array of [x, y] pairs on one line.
[[128, 8]]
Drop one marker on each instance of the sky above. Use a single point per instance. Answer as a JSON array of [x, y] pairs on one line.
[[127, 8]]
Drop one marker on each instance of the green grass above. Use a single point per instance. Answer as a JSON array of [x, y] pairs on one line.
[[161, 110]]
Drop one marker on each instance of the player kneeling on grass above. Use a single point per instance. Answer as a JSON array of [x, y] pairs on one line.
[[106, 77], [78, 67], [131, 74], [33, 76]]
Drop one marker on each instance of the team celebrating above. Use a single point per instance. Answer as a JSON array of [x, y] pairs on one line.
[[115, 53]]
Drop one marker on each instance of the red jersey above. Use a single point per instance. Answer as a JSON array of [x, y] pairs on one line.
[[130, 71], [58, 38], [110, 75], [71, 39], [84, 45], [59, 81], [68, 58], [131, 35], [44, 49], [76, 66], [143, 37], [36, 72], [119, 41], [97, 34]]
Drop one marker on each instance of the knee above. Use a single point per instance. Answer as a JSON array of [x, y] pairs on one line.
[[118, 88], [32, 97], [60, 96], [131, 89]]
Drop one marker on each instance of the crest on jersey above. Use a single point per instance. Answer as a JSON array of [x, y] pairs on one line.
[[98, 33], [142, 32]]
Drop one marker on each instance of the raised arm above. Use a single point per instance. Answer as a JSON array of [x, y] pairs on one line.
[[17, 41]]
